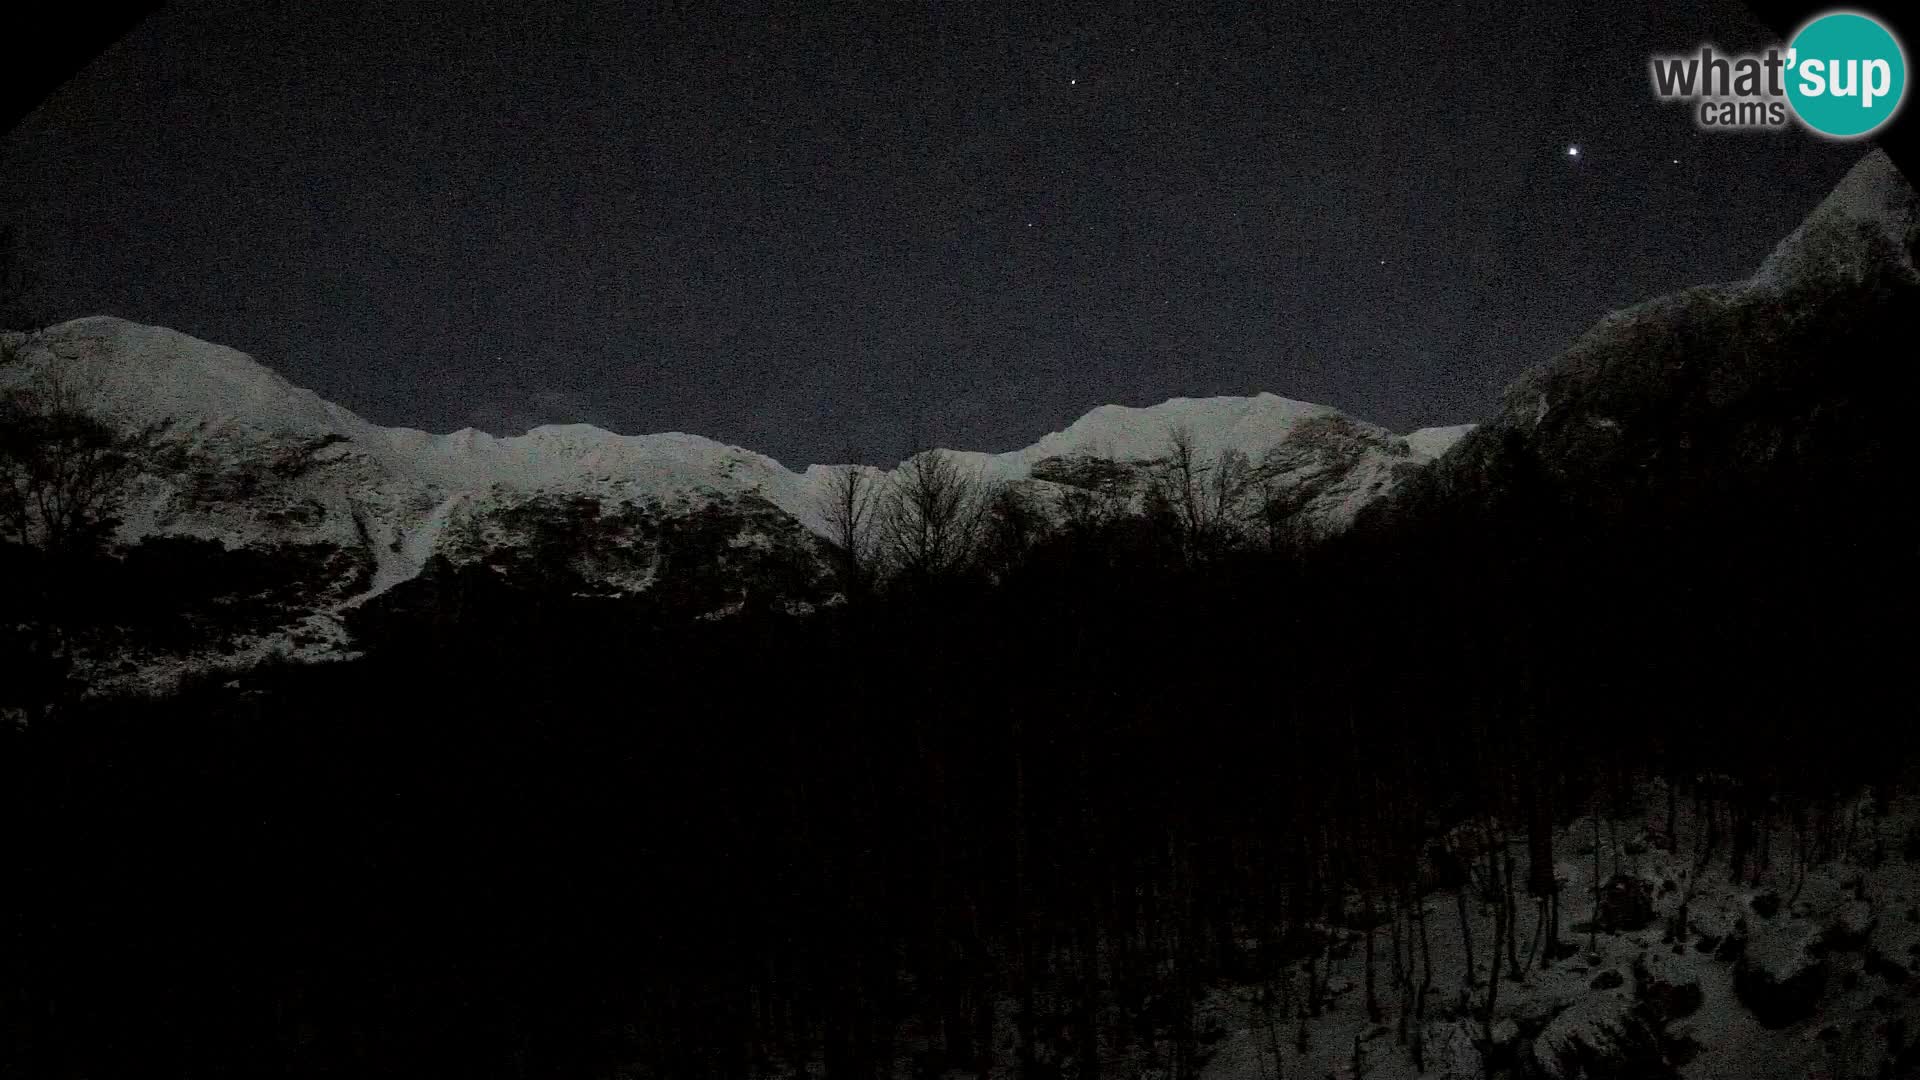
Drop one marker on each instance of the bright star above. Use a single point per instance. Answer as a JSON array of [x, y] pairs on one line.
[[1573, 151]]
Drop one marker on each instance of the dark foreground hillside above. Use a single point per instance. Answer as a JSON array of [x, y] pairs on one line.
[[1042, 814], [963, 827]]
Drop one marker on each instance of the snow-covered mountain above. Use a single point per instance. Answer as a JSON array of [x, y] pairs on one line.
[[1783, 367], [352, 509], [1714, 378]]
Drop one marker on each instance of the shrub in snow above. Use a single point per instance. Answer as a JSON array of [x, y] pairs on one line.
[[1603, 1035], [1878, 964], [1849, 928], [1779, 979], [1896, 944], [1857, 1047], [1726, 949], [1668, 985], [1626, 905], [1453, 1051]]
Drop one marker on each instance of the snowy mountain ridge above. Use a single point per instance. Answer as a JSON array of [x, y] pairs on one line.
[[1631, 394], [1871, 216], [404, 484], [253, 462], [348, 509]]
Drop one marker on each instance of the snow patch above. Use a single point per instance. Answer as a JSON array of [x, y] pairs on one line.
[[1430, 442]]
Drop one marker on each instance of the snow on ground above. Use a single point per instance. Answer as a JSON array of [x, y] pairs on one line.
[[311, 639], [1589, 1002], [1859, 925], [395, 566]]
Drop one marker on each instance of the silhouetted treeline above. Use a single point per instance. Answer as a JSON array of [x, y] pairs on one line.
[[533, 834]]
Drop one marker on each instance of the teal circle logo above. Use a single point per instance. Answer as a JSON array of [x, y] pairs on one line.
[[1846, 74]]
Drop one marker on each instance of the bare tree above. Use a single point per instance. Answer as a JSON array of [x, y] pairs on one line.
[[1279, 492], [848, 504], [1011, 526], [931, 520], [1091, 493], [1231, 483], [1542, 879], [1180, 480], [63, 474], [63, 471], [1083, 510], [1210, 501]]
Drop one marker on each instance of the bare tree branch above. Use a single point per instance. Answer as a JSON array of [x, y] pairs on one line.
[[848, 504], [933, 518], [63, 471], [1211, 502]]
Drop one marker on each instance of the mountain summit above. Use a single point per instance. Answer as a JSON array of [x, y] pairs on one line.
[[350, 509], [1717, 381], [329, 511]]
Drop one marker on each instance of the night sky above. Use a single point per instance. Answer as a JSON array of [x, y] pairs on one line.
[[964, 223]]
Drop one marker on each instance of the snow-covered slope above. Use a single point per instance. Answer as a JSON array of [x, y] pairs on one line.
[[253, 462], [1873, 202], [1868, 224], [1758, 363], [406, 489], [1431, 442]]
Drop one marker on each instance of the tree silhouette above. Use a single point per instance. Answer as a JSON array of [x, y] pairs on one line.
[[848, 506], [63, 470], [932, 517]]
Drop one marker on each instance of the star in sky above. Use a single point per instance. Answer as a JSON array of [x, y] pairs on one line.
[[1198, 172]]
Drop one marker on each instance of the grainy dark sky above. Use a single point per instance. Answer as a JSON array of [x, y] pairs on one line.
[[803, 231]]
